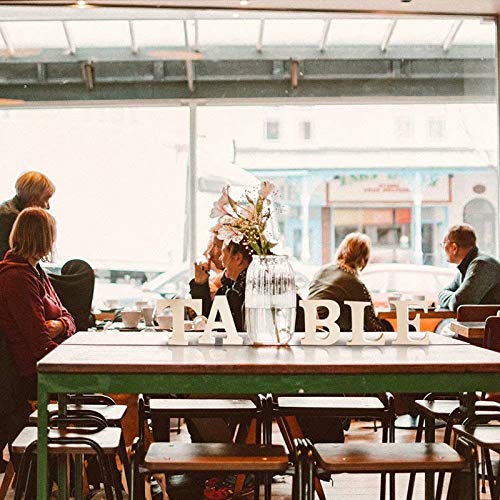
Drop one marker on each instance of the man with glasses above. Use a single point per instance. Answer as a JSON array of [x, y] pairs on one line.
[[478, 277]]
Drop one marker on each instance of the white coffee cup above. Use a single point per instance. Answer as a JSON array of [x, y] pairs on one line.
[[130, 319], [165, 322], [147, 313], [139, 304]]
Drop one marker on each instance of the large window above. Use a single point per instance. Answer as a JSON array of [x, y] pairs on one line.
[[384, 126]]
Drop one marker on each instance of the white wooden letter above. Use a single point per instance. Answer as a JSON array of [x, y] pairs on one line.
[[358, 323], [312, 337], [221, 306], [177, 306], [403, 322]]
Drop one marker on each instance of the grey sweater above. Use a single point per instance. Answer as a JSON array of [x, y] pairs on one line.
[[477, 282]]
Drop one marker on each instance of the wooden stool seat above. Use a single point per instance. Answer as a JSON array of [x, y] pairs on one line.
[[112, 413], [341, 406], [178, 457], [177, 407], [438, 408], [487, 436], [388, 457], [108, 439]]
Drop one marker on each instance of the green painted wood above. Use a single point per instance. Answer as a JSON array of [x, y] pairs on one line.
[[252, 384]]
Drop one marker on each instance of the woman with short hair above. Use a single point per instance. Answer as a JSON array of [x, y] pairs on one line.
[[32, 318], [339, 281], [33, 189]]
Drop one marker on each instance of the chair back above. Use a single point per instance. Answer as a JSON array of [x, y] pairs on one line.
[[467, 313], [492, 333]]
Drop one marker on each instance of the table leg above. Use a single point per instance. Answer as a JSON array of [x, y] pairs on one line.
[[430, 437], [42, 453], [62, 460]]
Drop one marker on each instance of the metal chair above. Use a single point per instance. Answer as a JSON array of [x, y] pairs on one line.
[[358, 457], [379, 408], [81, 435]]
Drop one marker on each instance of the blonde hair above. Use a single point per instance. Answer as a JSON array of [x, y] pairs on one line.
[[354, 251], [33, 187], [33, 234]]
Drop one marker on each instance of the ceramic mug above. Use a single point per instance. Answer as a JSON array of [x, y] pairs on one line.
[[130, 319]]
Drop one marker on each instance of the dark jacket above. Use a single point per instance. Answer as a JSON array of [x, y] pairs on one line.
[[333, 283], [27, 300], [9, 210], [235, 294], [477, 282]]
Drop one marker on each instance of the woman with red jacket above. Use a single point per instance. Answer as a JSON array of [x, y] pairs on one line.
[[32, 319]]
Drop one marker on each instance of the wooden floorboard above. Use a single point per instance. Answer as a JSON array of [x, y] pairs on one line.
[[345, 486]]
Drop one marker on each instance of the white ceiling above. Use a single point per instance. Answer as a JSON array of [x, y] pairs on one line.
[[384, 7]]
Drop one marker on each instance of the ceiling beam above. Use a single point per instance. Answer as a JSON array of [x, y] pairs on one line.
[[248, 53], [324, 36], [260, 39], [388, 35], [6, 40], [133, 41], [450, 37], [69, 38]]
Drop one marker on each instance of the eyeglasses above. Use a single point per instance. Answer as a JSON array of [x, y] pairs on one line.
[[444, 242]]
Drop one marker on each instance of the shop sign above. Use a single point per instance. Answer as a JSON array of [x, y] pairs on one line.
[[386, 188]]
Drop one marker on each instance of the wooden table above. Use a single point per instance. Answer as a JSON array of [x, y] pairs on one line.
[[472, 330], [430, 314], [137, 363]]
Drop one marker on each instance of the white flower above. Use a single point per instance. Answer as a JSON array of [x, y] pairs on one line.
[[217, 211], [249, 212], [266, 188], [219, 207], [228, 234]]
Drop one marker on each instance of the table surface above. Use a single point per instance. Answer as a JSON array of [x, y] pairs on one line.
[[139, 357]]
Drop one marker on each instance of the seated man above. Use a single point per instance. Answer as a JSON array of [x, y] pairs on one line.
[[478, 277]]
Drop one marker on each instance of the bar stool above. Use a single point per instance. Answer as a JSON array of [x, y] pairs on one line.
[[97, 405], [446, 408], [339, 406], [82, 435], [151, 408], [365, 458], [482, 433], [171, 458]]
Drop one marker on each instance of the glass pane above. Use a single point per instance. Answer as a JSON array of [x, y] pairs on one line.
[[232, 32], [155, 33], [35, 34], [100, 33]]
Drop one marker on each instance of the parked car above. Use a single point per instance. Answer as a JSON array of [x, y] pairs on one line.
[[410, 280], [176, 283]]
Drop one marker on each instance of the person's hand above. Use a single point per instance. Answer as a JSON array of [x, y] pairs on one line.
[[55, 327], [201, 270]]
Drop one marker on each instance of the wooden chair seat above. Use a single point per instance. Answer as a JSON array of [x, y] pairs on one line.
[[178, 457], [388, 457], [176, 407], [487, 436], [339, 405], [108, 439], [438, 408], [112, 413]]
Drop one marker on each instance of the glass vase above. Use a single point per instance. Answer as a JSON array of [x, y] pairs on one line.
[[270, 300]]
